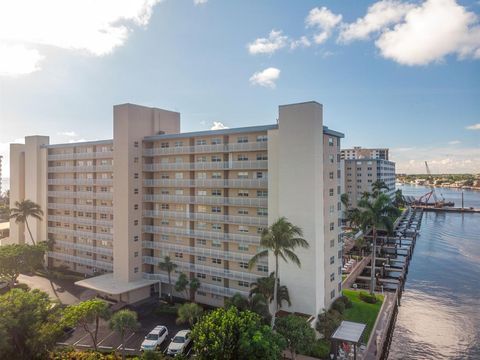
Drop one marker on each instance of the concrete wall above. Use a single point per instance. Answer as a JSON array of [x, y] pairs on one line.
[[131, 123], [296, 163], [17, 189]]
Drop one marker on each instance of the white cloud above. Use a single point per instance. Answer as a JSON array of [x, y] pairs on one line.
[[379, 15], [266, 77], [301, 42], [431, 31], [473, 127], [217, 125], [67, 133], [324, 20], [454, 142], [274, 42], [94, 27], [200, 2]]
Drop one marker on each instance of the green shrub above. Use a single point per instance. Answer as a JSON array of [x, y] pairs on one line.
[[368, 298], [348, 303], [339, 306], [166, 309], [24, 287], [320, 349]]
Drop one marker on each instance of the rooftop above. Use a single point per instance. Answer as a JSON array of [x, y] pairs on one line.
[[349, 331], [109, 285]]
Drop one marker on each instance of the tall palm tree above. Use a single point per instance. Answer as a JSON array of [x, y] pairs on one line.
[[377, 187], [194, 286], [377, 214], [281, 238], [123, 321], [365, 195], [265, 287], [256, 303], [23, 210], [168, 266], [399, 198], [189, 313]]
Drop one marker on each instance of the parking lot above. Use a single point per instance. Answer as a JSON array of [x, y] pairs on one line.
[[109, 340]]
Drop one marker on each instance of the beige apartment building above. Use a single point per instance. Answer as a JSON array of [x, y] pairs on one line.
[[363, 153], [116, 208]]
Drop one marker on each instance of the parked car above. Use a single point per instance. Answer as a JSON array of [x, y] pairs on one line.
[[179, 343], [155, 338]]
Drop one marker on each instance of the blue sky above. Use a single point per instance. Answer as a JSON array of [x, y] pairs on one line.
[[391, 73]]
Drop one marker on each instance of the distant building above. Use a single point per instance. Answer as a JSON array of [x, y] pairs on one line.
[[360, 174], [118, 207], [1, 157], [360, 153]]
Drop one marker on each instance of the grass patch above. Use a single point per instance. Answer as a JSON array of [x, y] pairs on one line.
[[361, 311]]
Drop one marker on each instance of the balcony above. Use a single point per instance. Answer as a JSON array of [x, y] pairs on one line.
[[79, 168], [82, 155], [80, 260], [79, 233], [72, 181], [207, 200], [217, 148], [80, 220], [81, 195], [84, 247], [202, 234], [229, 219], [208, 183], [80, 207], [212, 165]]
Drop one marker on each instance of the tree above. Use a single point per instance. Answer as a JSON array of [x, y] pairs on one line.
[[181, 284], [297, 333], [399, 200], [266, 285], [366, 195], [345, 201], [15, 259], [29, 324], [122, 322], [328, 322], [84, 314], [194, 286], [377, 214], [281, 238], [255, 302], [168, 266], [23, 210], [226, 334], [189, 313], [377, 188]]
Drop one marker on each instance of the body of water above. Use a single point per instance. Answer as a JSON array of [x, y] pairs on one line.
[[440, 313]]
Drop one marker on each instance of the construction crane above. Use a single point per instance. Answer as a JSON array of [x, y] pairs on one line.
[[424, 199]]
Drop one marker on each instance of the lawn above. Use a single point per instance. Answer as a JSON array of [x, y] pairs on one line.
[[361, 311]]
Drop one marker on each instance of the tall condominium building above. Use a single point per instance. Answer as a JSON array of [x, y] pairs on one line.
[[360, 174], [1, 181], [116, 208], [360, 153]]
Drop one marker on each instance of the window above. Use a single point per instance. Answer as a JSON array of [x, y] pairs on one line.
[[135, 207], [216, 192], [262, 193], [332, 243], [216, 209], [201, 293], [262, 138], [201, 175], [202, 208], [243, 265], [242, 211], [332, 209], [135, 144], [243, 193], [243, 284], [164, 237], [202, 242], [216, 175], [202, 159], [330, 141], [261, 175], [262, 211], [332, 277], [202, 192], [179, 255], [331, 192], [135, 160], [216, 227], [262, 157], [216, 243], [242, 139], [178, 176], [331, 159], [135, 270], [201, 258], [201, 142], [262, 268], [201, 276], [242, 247], [339, 270], [135, 238], [242, 175], [201, 225], [178, 143], [216, 278], [216, 141], [165, 206], [332, 226], [165, 176], [216, 158], [216, 261], [135, 191], [135, 222], [135, 175], [243, 229], [242, 157], [332, 294], [332, 260], [178, 191], [135, 254], [164, 192]]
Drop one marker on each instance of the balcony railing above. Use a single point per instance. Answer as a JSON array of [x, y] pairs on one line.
[[208, 183], [202, 234], [84, 247], [213, 165], [82, 155], [72, 181], [208, 200], [209, 270], [80, 233], [217, 148], [81, 195], [229, 219], [80, 220], [80, 207], [79, 168], [80, 260]]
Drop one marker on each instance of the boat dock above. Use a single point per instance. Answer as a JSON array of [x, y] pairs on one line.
[[447, 209]]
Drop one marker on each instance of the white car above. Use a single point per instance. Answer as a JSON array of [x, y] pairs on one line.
[[155, 338], [179, 343]]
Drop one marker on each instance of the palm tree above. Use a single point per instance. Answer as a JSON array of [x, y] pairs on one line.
[[189, 313], [399, 198], [194, 286], [181, 284], [377, 187], [23, 210], [265, 287], [123, 321], [168, 266], [281, 238], [366, 195], [255, 303], [377, 214]]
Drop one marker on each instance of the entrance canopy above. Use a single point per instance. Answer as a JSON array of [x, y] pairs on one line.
[[349, 331]]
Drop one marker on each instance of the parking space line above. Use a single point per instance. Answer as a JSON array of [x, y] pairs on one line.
[[106, 337], [83, 345], [105, 347], [129, 349], [62, 344], [128, 338], [75, 343]]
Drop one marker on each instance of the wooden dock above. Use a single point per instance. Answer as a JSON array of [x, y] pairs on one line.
[[448, 209]]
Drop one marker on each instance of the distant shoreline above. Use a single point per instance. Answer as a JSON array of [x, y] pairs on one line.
[[474, 188]]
